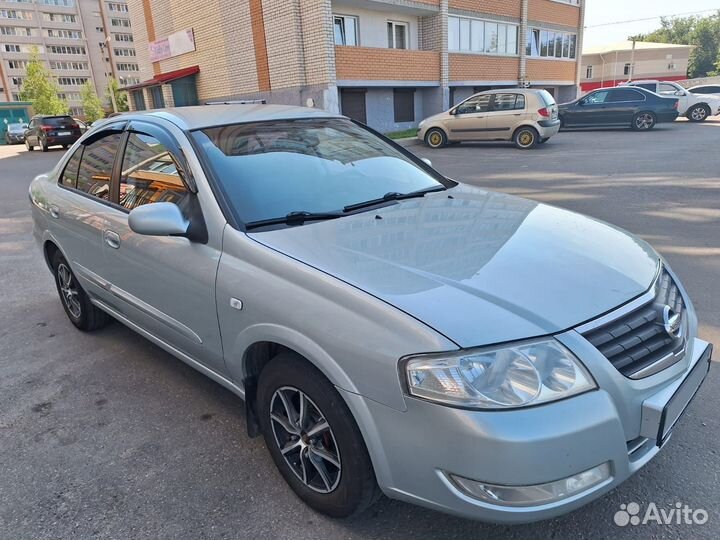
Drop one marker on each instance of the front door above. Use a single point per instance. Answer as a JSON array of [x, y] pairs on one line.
[[591, 110], [165, 285], [469, 119]]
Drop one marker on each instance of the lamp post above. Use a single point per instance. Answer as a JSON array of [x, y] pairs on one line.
[[106, 60]]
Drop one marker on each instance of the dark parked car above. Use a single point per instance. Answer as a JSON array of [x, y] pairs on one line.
[[46, 131], [636, 108], [15, 133]]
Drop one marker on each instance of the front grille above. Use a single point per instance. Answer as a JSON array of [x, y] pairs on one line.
[[637, 340]]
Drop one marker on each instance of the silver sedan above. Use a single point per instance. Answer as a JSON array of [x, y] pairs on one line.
[[390, 330]]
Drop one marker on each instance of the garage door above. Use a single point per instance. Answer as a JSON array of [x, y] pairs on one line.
[[352, 104]]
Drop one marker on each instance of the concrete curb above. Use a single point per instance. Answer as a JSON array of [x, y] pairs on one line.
[[410, 141]]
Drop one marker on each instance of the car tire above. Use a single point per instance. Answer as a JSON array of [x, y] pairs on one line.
[[643, 121], [29, 146], [698, 113], [81, 312], [435, 138], [526, 138], [347, 486], [65, 146], [43, 145]]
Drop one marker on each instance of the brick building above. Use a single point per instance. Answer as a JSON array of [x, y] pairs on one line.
[[388, 63], [78, 40], [609, 65]]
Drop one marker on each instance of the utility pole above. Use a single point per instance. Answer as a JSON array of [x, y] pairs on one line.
[[631, 71]]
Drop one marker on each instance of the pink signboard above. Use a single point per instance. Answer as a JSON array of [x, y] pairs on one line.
[[174, 45]]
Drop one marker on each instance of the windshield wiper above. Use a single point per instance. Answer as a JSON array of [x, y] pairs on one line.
[[293, 218], [393, 196]]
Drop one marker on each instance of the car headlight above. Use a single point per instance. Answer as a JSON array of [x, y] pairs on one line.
[[509, 376]]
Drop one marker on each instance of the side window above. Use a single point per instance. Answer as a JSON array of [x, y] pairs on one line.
[[475, 105], [504, 102], [597, 97], [96, 166], [149, 174], [70, 174], [648, 86], [624, 94], [666, 88]]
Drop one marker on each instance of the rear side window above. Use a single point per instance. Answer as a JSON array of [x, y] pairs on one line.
[[509, 102], [647, 86], [149, 174], [96, 166], [625, 94], [70, 174]]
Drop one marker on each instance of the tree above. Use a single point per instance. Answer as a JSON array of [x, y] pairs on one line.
[[40, 88], [701, 32], [92, 106], [121, 97]]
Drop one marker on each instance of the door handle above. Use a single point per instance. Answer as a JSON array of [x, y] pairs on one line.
[[112, 239], [54, 211]]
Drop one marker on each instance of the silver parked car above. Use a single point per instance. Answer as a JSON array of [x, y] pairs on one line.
[[389, 329]]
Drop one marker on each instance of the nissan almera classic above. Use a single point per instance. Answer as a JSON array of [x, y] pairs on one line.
[[390, 330]]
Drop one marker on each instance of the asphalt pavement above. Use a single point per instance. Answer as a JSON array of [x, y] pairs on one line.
[[105, 435]]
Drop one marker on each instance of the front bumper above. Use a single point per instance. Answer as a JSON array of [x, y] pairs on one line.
[[13, 139], [415, 451]]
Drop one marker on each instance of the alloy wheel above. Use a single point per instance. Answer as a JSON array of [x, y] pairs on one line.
[[305, 439], [644, 121], [698, 114], [69, 290]]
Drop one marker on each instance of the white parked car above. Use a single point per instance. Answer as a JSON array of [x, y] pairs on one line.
[[695, 107], [706, 89]]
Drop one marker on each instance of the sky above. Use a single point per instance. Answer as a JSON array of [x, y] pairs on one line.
[[613, 11]]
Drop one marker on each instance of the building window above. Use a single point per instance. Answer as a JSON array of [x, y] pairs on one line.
[[404, 104], [551, 44], [474, 35], [12, 48], [627, 69], [397, 35], [346, 30], [589, 72], [156, 93]]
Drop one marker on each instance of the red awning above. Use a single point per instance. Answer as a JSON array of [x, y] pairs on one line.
[[163, 78]]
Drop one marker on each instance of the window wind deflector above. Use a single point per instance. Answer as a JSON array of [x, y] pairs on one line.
[[293, 218], [393, 196]]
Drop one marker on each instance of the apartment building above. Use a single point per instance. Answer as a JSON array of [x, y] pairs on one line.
[[609, 65], [388, 63], [78, 40]]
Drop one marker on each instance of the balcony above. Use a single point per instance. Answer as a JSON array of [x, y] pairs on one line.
[[375, 64]]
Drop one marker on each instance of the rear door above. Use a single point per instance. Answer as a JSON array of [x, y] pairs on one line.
[[622, 104], [469, 119], [506, 113], [78, 214]]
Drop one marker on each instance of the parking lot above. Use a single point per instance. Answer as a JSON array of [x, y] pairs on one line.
[[106, 435]]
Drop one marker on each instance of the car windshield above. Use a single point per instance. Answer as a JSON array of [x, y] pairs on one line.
[[270, 169], [57, 120], [16, 127]]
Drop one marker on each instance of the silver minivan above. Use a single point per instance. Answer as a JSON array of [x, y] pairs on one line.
[[389, 330]]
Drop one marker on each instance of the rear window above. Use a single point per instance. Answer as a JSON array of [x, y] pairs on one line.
[[57, 120], [547, 98]]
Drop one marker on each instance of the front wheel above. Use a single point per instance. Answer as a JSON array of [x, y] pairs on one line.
[[29, 146], [313, 439], [698, 113], [526, 138], [435, 138], [644, 121]]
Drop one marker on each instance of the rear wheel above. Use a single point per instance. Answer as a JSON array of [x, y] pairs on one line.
[[44, 145], [644, 121], [81, 312], [435, 138], [313, 438], [526, 138], [698, 113], [29, 146]]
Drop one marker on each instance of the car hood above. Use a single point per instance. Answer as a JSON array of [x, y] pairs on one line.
[[477, 266]]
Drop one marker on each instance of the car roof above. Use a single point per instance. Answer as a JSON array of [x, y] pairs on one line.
[[203, 116]]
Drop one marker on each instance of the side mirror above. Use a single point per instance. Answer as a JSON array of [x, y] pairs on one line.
[[680, 93], [582, 103], [453, 111], [158, 219], [426, 161]]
